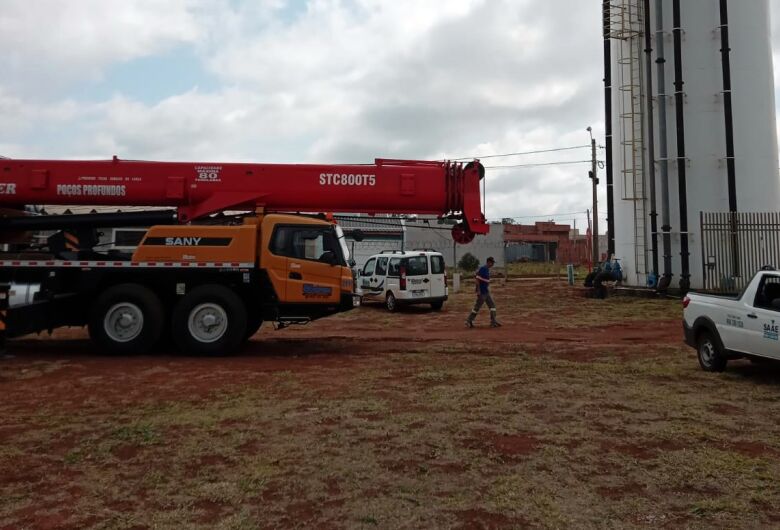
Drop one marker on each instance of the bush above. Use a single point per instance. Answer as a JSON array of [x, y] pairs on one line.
[[468, 262]]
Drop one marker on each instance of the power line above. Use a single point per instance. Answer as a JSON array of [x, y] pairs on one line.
[[544, 215], [518, 166], [523, 153]]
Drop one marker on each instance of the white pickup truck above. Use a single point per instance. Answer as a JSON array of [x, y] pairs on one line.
[[723, 328]]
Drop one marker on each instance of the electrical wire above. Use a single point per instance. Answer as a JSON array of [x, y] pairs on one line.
[[544, 215], [518, 166], [552, 150]]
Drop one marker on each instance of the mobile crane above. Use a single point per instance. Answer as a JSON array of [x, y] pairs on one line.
[[232, 251]]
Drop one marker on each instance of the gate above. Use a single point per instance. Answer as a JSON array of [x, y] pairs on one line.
[[735, 246]]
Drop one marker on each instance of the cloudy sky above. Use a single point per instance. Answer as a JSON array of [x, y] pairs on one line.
[[314, 81]]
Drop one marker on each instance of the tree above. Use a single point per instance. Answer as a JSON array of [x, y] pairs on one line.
[[468, 262]]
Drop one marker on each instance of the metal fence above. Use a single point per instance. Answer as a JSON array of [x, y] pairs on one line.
[[736, 245]]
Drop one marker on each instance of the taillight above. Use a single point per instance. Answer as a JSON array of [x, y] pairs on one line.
[[402, 282], [686, 301]]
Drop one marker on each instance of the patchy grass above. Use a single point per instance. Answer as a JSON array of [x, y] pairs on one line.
[[422, 433], [559, 305]]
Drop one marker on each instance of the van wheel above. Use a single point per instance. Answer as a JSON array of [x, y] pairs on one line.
[[436, 306], [126, 318], [390, 303], [710, 352], [209, 320]]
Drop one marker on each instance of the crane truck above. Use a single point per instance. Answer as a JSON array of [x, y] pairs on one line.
[[227, 246]]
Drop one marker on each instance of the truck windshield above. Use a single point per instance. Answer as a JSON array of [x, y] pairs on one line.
[[342, 243]]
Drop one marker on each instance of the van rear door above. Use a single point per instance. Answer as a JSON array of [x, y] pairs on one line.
[[438, 277], [417, 276]]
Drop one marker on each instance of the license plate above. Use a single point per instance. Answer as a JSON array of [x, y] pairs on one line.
[[355, 301], [418, 294]]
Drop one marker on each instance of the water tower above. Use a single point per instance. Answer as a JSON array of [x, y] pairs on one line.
[[689, 96]]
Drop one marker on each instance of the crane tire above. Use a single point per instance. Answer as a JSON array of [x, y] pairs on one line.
[[209, 320], [254, 321], [126, 318]]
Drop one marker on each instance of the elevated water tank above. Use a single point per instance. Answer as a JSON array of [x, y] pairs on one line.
[[686, 41]]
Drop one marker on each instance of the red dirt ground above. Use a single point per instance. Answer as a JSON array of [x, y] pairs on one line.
[[61, 375]]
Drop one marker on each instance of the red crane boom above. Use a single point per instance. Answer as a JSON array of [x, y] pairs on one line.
[[198, 189]]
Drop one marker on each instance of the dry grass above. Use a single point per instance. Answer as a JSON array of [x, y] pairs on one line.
[[430, 434], [416, 438]]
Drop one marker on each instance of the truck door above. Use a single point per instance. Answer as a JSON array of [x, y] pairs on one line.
[[312, 255], [763, 322]]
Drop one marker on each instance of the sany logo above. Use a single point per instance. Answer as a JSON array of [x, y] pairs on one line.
[[182, 241]]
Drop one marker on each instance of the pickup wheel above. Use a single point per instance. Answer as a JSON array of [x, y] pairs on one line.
[[209, 320], [712, 358], [126, 319]]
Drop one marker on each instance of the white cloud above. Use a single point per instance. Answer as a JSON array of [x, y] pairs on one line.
[[325, 80], [53, 43]]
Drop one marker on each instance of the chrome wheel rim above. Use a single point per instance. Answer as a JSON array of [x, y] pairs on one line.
[[207, 322], [391, 302], [123, 322]]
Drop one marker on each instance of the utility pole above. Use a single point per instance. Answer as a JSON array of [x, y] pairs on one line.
[[595, 181]]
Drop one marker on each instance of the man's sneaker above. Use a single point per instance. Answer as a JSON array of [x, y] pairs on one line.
[[495, 324], [469, 323]]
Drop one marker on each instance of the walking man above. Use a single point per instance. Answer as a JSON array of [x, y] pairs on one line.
[[483, 295]]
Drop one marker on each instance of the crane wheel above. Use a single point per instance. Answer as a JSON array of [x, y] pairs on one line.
[[254, 321], [209, 320], [127, 318]]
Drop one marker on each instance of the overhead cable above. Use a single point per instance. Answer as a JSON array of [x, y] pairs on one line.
[[552, 150], [519, 166]]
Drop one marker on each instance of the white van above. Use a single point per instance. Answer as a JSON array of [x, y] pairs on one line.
[[397, 277]]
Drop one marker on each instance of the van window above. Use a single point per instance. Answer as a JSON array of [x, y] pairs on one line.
[[417, 266], [437, 265], [381, 266], [368, 269], [394, 269]]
